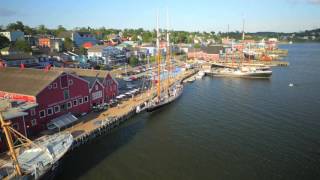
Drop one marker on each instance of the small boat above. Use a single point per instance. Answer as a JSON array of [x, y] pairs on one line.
[[190, 79], [200, 75]]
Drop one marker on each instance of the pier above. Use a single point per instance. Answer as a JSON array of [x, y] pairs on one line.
[[98, 123]]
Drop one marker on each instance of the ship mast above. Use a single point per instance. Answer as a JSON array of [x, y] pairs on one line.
[[168, 56], [5, 127], [158, 57]]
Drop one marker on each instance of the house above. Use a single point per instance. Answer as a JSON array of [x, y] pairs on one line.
[[102, 86], [96, 51], [208, 53], [107, 55], [81, 38], [13, 35], [55, 92], [15, 60], [55, 44]]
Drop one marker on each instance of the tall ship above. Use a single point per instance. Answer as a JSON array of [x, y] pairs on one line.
[[38, 159], [169, 92]]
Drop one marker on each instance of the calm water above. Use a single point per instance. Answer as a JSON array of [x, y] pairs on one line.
[[220, 128]]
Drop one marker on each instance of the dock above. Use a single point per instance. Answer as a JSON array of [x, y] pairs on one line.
[[96, 124]]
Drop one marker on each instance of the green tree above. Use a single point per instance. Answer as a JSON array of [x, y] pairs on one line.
[[133, 61], [29, 30], [59, 30], [82, 51], [22, 45], [197, 46], [4, 41], [68, 44], [42, 29], [15, 26]]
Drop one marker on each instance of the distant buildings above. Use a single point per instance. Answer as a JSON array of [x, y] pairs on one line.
[[13, 35], [209, 53]]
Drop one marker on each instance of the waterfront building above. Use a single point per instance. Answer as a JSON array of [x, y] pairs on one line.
[[55, 92]]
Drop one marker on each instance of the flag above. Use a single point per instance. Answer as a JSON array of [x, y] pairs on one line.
[[21, 66]]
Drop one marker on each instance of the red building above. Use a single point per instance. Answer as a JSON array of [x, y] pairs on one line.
[[209, 53], [53, 93], [103, 87]]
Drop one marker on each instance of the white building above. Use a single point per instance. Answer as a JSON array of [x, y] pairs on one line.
[[14, 35]]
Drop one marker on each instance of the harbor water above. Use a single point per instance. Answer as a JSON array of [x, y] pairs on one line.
[[220, 128]]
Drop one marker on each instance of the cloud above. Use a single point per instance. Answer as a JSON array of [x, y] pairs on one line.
[[6, 12]]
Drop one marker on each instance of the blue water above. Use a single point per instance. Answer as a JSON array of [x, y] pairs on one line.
[[220, 128]]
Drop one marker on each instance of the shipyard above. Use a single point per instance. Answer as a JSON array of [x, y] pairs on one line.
[[227, 99]]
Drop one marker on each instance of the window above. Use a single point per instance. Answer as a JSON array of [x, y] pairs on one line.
[[55, 85], [33, 112], [50, 86], [56, 109], [96, 95], [80, 101], [86, 99], [70, 82], [42, 113], [75, 103], [33, 122], [96, 87], [69, 105], [49, 111], [15, 126], [66, 94], [63, 107]]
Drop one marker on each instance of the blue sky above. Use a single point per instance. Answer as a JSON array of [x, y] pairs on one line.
[[190, 15]]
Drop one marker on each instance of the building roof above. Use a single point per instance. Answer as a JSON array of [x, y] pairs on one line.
[[88, 74], [14, 57], [26, 81], [97, 48], [212, 49]]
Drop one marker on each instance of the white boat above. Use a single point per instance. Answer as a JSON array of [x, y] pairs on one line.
[[41, 159], [165, 98], [200, 75], [249, 72]]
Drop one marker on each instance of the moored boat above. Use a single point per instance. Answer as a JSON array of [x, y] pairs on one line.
[[37, 159], [249, 72]]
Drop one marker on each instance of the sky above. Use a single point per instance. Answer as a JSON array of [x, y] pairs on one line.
[[188, 15]]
